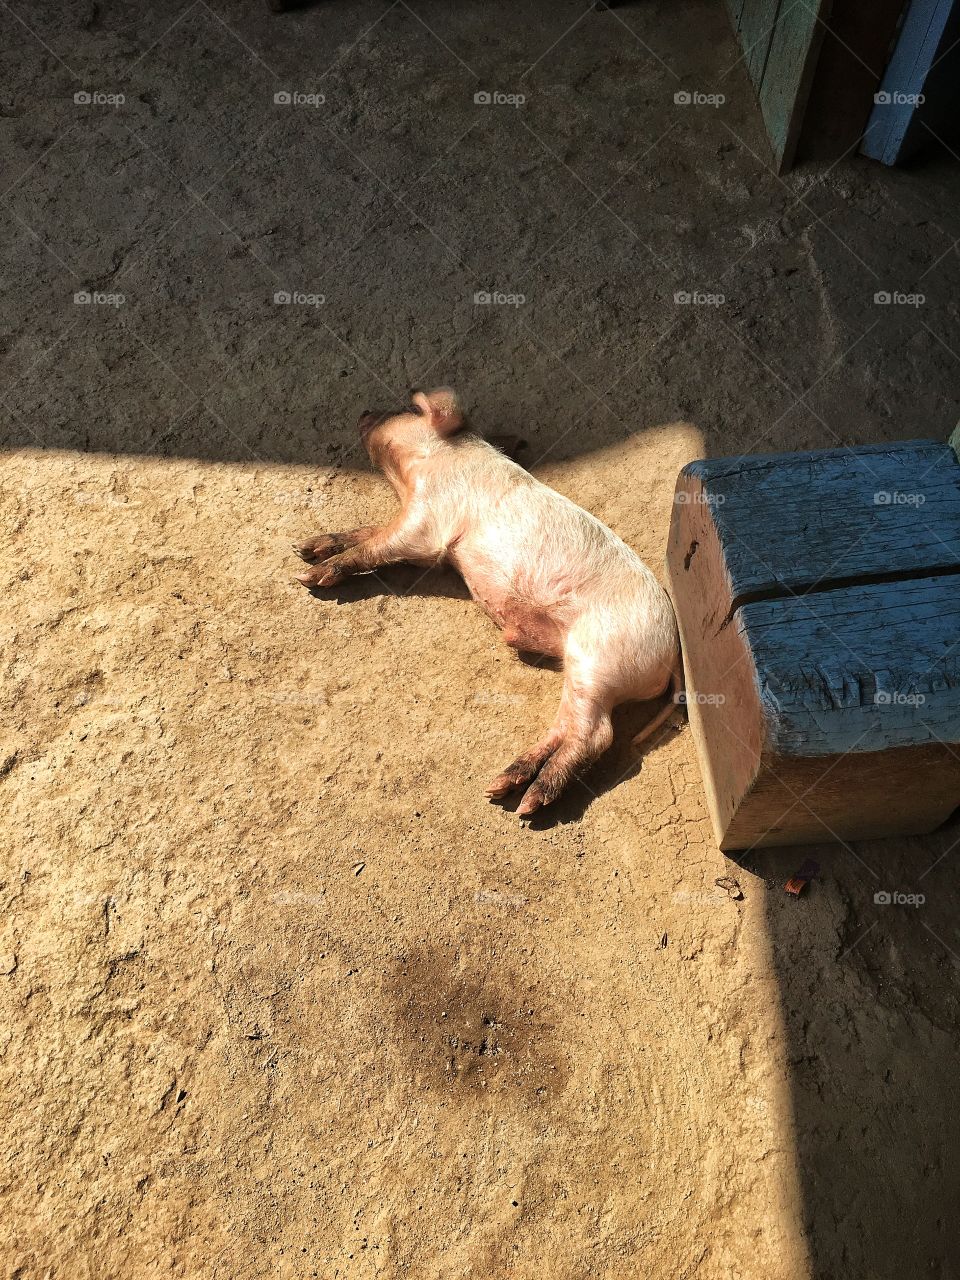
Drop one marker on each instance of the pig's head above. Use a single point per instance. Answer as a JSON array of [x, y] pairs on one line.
[[394, 439]]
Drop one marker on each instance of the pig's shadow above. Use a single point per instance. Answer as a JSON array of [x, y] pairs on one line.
[[397, 580], [621, 762]]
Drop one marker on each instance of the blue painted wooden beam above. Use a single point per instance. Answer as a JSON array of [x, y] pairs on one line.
[[901, 90]]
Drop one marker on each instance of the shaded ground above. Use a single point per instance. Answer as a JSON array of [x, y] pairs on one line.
[[283, 996]]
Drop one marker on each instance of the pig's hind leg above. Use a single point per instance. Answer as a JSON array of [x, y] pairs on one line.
[[526, 766], [580, 734]]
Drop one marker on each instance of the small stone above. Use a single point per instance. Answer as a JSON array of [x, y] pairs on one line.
[[8, 963], [731, 887], [358, 867]]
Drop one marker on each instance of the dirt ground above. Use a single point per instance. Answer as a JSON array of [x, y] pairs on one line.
[[283, 996]]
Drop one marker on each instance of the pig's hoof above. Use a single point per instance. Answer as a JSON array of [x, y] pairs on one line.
[[321, 547], [533, 800], [501, 786], [524, 769], [326, 575], [515, 775]]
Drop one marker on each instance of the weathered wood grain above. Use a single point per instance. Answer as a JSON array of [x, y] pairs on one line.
[[805, 522], [780, 41], [860, 669], [916, 50]]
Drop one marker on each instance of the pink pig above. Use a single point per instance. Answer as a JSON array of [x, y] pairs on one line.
[[552, 577]]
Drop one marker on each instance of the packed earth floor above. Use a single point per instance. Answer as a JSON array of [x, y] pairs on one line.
[[283, 995]]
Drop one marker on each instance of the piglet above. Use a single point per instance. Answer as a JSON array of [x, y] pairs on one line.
[[552, 577]]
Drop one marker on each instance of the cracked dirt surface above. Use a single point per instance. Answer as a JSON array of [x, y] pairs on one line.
[[282, 995], [288, 988]]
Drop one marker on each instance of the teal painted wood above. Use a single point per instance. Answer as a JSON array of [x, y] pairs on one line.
[[861, 669], [735, 9], [780, 40], [791, 60], [811, 522], [755, 27], [903, 81]]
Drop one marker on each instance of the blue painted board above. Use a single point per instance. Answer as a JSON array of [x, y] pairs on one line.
[[818, 600], [805, 522], [920, 37], [862, 669]]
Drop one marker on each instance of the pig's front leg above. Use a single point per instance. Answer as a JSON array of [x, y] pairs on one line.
[[392, 544]]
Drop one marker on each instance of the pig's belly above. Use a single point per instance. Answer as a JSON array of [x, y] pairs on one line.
[[525, 626], [529, 629]]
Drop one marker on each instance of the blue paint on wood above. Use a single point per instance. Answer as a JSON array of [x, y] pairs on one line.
[[904, 79], [861, 669], [805, 522], [821, 633]]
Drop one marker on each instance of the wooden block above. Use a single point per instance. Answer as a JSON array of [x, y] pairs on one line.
[[818, 599]]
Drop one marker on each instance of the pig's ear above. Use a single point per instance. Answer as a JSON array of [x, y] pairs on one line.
[[441, 408]]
